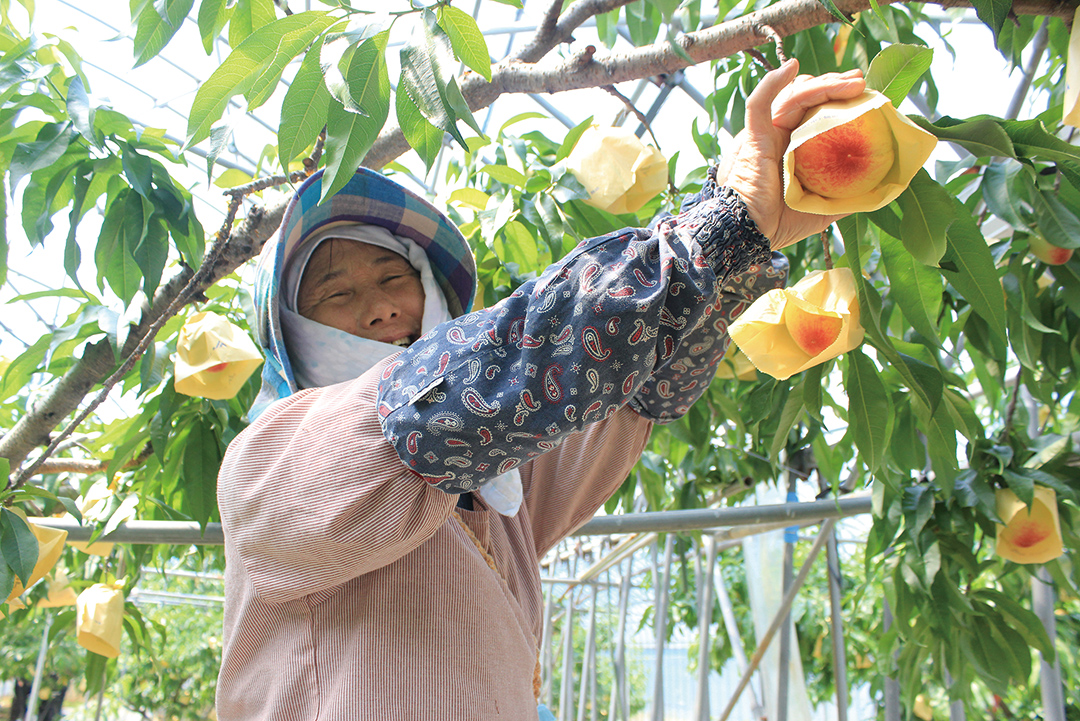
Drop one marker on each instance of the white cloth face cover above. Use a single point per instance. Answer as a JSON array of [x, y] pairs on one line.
[[323, 356]]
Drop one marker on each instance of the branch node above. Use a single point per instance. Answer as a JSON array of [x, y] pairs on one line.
[[770, 34]]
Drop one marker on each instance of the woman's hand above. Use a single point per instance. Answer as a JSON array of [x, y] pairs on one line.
[[753, 169]]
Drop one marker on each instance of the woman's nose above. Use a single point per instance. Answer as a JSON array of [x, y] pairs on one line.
[[380, 308]]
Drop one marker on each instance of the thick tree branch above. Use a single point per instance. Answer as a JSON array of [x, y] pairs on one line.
[[518, 75], [720, 41]]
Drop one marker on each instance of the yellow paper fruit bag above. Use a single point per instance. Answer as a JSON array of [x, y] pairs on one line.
[[735, 364], [1071, 110], [100, 618], [851, 156], [620, 172], [50, 546], [214, 357], [788, 330], [60, 593], [1029, 535]]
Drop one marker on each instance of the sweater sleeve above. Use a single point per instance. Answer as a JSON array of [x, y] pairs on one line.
[[484, 393], [312, 495]]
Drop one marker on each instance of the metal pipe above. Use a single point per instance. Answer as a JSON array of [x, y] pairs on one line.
[[588, 662], [781, 615], [660, 627], [620, 695], [791, 534], [189, 533], [1042, 602], [1038, 47], [892, 686], [735, 639], [705, 585], [566, 693], [39, 671], [839, 652]]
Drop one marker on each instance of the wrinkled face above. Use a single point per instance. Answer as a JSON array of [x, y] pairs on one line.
[[364, 290]]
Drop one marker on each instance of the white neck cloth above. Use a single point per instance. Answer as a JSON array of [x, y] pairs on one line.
[[323, 356]]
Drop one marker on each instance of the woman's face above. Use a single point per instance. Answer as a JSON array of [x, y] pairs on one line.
[[364, 290]]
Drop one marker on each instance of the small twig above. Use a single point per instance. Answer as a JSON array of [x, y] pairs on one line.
[[825, 247], [91, 465], [775, 38], [760, 57], [644, 121], [1010, 411]]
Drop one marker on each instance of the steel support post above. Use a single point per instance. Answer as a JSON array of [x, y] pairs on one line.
[[620, 694], [705, 601], [735, 638], [588, 661], [39, 671], [660, 626], [892, 686], [781, 615], [1042, 602], [839, 652]]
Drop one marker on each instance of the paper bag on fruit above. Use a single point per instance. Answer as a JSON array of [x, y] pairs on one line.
[[214, 358], [788, 330], [1029, 535], [852, 156], [100, 618], [620, 172]]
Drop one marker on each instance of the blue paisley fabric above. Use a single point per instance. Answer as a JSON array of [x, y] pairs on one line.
[[638, 316]]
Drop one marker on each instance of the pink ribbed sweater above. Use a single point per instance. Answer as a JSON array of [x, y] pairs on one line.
[[351, 591]]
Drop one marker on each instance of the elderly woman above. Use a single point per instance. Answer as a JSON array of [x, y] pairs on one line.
[[409, 462]]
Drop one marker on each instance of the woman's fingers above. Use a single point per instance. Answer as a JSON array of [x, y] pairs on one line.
[[759, 106], [810, 91]]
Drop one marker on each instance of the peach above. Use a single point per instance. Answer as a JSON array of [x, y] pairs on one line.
[[812, 332], [1047, 252], [848, 160]]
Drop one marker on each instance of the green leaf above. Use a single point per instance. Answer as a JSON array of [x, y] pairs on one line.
[[304, 109], [972, 491], [291, 44], [157, 23], [7, 580], [79, 110], [51, 142], [466, 39], [793, 407], [18, 544], [1001, 194], [1031, 139], [248, 17], [993, 13], [422, 136], [426, 81], [138, 170], [870, 415], [202, 460], [1058, 224], [896, 69], [976, 276], [571, 138], [928, 211], [121, 232], [349, 135], [1020, 619], [643, 21], [505, 174], [151, 254], [982, 136], [260, 53], [213, 14], [915, 288]]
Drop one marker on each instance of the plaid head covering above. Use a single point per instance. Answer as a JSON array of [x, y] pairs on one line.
[[369, 198]]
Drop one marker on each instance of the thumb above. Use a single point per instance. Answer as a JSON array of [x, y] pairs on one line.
[[759, 115]]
